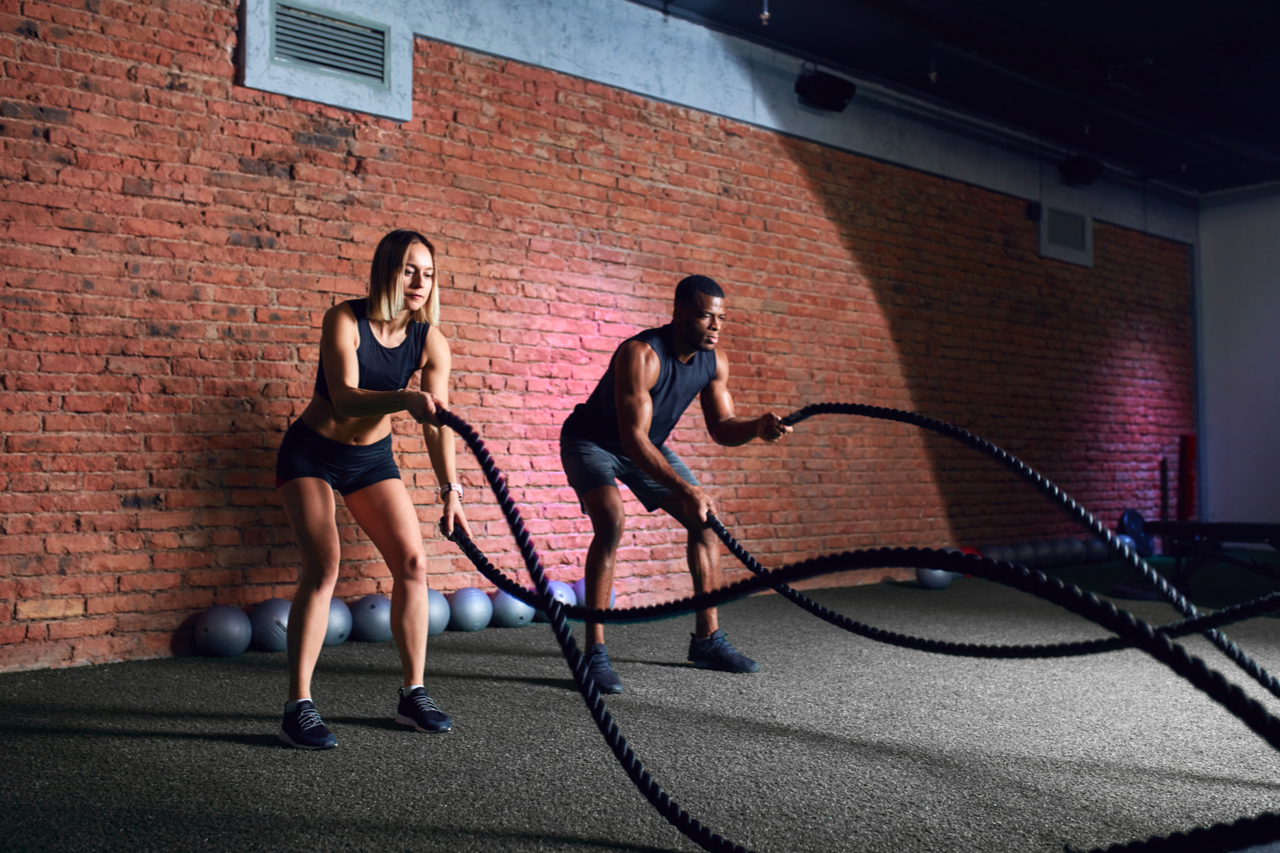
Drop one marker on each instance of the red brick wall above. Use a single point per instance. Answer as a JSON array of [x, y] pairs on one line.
[[170, 241]]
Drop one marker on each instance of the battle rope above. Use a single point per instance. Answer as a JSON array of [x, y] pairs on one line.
[[1073, 509], [872, 559], [631, 765], [1220, 838], [1122, 623]]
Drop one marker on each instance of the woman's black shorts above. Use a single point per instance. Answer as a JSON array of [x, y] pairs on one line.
[[346, 467]]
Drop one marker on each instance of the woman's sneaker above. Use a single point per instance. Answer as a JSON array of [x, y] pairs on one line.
[[303, 728], [600, 669], [416, 709], [715, 652]]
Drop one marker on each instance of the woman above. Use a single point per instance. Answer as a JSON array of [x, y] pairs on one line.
[[369, 350]]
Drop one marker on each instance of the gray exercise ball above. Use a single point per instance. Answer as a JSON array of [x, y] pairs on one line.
[[469, 609], [223, 632], [339, 623], [437, 612], [1046, 555], [371, 619], [562, 593], [1096, 551], [935, 578], [1075, 552], [270, 622], [999, 553], [1023, 554], [509, 611], [580, 592]]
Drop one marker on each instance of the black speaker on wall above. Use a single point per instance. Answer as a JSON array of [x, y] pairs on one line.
[[824, 91], [1080, 171]]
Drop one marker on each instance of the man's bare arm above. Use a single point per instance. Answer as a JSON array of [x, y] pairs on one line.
[[725, 427]]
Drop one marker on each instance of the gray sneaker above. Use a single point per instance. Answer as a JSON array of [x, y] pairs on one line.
[[716, 652], [599, 668]]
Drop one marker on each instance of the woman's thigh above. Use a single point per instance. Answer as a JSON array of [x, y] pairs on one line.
[[309, 505], [387, 515]]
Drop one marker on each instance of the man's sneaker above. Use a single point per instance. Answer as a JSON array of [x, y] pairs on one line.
[[303, 728], [715, 652], [599, 668], [416, 709]]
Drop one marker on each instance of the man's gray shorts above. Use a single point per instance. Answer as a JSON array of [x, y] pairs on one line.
[[589, 466]]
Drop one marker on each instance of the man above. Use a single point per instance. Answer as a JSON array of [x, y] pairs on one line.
[[620, 434]]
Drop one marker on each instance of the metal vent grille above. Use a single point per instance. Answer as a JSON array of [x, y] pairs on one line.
[[345, 47], [1068, 230], [1066, 235]]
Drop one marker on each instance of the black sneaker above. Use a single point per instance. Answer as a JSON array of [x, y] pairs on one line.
[[715, 652], [416, 709], [599, 668], [303, 728]]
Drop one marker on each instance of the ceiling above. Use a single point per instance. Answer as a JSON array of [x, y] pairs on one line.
[[1179, 94]]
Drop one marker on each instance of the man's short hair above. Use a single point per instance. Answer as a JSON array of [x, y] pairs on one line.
[[689, 287]]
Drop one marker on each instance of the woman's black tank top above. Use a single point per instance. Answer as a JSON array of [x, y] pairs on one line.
[[381, 369]]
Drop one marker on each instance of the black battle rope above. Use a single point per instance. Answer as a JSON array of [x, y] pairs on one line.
[[873, 559], [1073, 509], [1126, 625], [639, 776], [1219, 838]]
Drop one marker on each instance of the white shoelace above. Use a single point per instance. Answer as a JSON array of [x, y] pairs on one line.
[[309, 718], [424, 703]]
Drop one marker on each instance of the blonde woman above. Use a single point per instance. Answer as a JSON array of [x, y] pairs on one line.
[[370, 349]]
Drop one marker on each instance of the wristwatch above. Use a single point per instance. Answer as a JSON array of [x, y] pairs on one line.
[[451, 487]]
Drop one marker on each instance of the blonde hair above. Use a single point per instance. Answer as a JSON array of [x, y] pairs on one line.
[[386, 289]]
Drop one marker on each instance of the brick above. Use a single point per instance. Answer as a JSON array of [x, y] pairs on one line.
[[50, 608], [81, 628]]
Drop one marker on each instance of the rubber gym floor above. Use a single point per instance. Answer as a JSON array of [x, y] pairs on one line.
[[837, 744]]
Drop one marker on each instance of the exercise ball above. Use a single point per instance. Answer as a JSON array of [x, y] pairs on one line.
[[509, 611], [1023, 554], [270, 621], [1122, 539], [1096, 551], [1074, 551], [371, 619], [562, 593], [579, 588], [339, 623], [999, 553], [223, 632], [437, 612], [1046, 556], [469, 609], [935, 578]]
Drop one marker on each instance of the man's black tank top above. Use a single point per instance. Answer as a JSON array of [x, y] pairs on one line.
[[381, 369], [678, 384]]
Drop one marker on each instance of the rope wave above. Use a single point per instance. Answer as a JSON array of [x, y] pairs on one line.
[[1129, 631]]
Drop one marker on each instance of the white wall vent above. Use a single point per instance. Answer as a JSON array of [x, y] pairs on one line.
[[1066, 235]]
